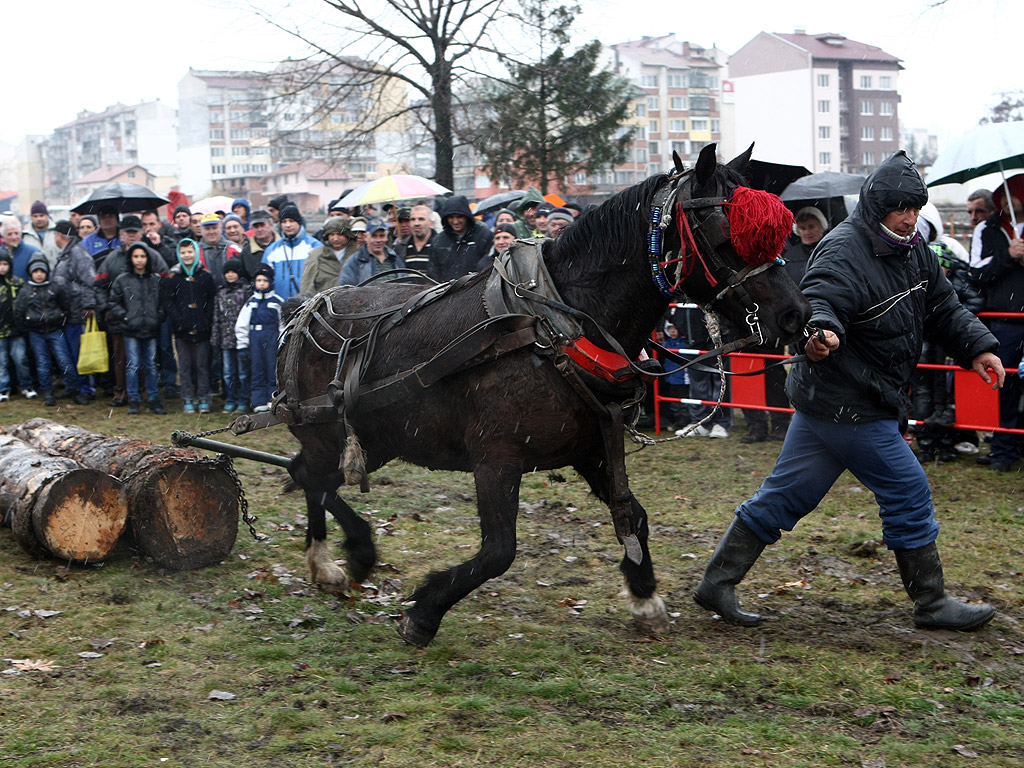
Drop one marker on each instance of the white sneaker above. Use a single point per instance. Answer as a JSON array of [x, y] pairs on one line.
[[29, 393], [719, 431], [693, 430], [4, 397], [966, 447]]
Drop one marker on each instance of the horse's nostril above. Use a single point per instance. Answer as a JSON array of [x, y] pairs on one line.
[[794, 320]]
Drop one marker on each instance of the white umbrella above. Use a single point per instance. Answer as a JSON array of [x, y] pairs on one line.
[[990, 148], [212, 204]]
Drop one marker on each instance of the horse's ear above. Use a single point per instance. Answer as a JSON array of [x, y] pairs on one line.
[[741, 163], [678, 162], [706, 162]]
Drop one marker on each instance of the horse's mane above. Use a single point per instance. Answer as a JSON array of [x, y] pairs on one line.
[[601, 237]]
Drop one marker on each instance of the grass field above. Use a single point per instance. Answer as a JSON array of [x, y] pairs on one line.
[[246, 665]]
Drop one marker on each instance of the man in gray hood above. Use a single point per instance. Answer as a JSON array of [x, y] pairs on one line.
[[876, 292]]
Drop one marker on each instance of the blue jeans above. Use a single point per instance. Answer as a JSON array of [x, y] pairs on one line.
[[140, 353], [14, 347], [168, 365], [1011, 349], [813, 456], [54, 342], [73, 333], [236, 376], [706, 386]]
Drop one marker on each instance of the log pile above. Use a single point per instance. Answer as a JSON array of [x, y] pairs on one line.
[[182, 507]]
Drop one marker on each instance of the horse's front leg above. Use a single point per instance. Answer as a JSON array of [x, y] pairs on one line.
[[645, 604], [497, 494]]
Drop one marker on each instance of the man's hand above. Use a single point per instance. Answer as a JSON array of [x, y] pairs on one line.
[[1017, 250], [820, 345], [985, 362]]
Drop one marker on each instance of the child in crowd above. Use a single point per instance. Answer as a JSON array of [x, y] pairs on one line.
[[135, 305], [41, 310], [257, 329], [231, 297], [12, 344], [188, 296]]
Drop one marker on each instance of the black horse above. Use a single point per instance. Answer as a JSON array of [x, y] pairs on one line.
[[502, 411]]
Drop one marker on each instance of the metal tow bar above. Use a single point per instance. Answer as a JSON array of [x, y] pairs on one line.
[[184, 439]]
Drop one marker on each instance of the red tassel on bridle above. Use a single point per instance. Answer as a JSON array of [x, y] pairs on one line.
[[758, 224]]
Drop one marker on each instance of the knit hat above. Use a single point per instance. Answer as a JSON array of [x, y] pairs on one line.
[[810, 210], [5, 255], [39, 207], [233, 217], [278, 202], [234, 265], [290, 211], [560, 213], [506, 227], [181, 208], [39, 264], [266, 271]]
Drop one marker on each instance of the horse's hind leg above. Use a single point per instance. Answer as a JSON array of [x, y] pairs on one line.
[[497, 492], [645, 604]]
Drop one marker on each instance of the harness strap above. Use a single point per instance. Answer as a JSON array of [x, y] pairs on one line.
[[694, 363]]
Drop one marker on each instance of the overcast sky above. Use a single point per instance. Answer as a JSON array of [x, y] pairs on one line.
[[61, 56]]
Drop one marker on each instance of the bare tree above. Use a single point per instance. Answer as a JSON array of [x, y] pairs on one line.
[[1010, 109], [429, 46]]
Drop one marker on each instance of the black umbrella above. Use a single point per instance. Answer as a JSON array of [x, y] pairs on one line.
[[498, 201], [822, 185], [124, 196], [774, 177]]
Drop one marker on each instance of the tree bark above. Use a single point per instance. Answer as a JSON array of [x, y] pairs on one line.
[[183, 507], [55, 506]]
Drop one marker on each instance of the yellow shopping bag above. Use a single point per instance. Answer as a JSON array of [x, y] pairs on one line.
[[92, 352]]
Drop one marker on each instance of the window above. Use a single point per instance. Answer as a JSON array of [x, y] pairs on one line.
[[654, 147], [652, 126], [579, 178], [624, 178], [654, 169], [869, 158], [238, 116], [824, 131], [217, 117], [239, 133], [677, 126], [676, 81], [217, 133], [131, 174], [697, 146], [289, 115], [865, 81], [648, 81], [823, 81], [716, 126], [885, 133], [700, 103], [885, 108], [677, 102], [885, 82], [698, 124], [216, 151], [652, 103], [867, 133], [824, 105], [641, 155], [641, 110], [239, 151], [824, 158], [680, 147], [216, 169], [867, 107]]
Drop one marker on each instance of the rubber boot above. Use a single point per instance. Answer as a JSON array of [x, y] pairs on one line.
[[735, 554], [921, 571]]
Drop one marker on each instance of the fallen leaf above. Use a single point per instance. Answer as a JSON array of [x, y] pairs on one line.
[[39, 665]]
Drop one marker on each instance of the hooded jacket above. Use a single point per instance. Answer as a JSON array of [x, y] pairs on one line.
[[1001, 276], [362, 266], [135, 304], [75, 272], [188, 299], [230, 299], [9, 287], [532, 197], [287, 257], [454, 255], [41, 307], [882, 300], [115, 264]]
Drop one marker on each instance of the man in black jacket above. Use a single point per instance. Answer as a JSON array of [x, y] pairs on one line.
[[876, 293], [464, 244]]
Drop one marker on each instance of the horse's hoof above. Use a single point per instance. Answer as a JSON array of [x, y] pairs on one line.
[[413, 633], [652, 626], [650, 615]]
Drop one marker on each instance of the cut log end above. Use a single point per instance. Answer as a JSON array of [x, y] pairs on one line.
[[184, 515], [80, 516]]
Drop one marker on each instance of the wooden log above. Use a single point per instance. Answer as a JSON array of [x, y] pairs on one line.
[[55, 506], [183, 507]]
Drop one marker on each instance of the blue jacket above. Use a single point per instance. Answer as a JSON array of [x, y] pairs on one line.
[[21, 256], [362, 266], [287, 257], [262, 312]]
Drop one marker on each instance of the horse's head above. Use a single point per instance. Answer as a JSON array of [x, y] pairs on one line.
[[729, 240]]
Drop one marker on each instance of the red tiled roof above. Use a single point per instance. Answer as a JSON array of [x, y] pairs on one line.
[[106, 173], [313, 169], [829, 45]]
